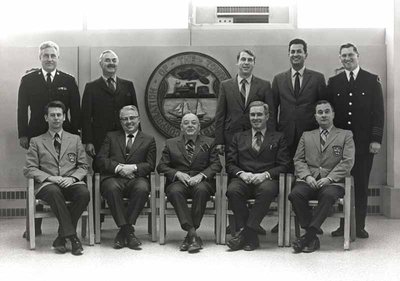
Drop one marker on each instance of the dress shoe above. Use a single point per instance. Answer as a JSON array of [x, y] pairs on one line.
[[260, 230], [251, 242], [59, 245], [38, 232], [195, 244], [120, 240], [338, 232], [133, 241], [185, 244], [299, 244], [362, 233], [237, 242], [312, 246], [76, 246]]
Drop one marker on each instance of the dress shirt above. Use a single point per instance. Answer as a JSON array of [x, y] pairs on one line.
[[120, 165], [114, 81], [53, 133], [52, 74], [247, 85], [301, 73], [355, 73]]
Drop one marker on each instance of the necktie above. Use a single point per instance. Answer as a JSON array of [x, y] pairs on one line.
[[129, 144], [351, 81], [57, 143], [323, 137], [110, 84], [243, 90], [296, 84], [257, 142], [48, 78], [190, 149]]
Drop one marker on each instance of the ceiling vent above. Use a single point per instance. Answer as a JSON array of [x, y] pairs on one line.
[[242, 14]]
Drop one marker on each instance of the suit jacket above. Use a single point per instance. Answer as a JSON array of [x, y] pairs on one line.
[[232, 115], [273, 156], [42, 160], [335, 160], [100, 109], [34, 94], [297, 114], [112, 153], [359, 110], [174, 158]]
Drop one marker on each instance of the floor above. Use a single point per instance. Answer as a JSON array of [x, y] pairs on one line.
[[376, 258]]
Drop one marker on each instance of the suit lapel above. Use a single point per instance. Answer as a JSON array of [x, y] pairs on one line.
[[181, 147], [316, 139], [104, 86], [49, 145], [236, 92], [306, 79], [137, 142], [288, 78], [248, 141], [122, 142], [331, 137], [65, 142], [267, 139], [253, 90], [118, 86]]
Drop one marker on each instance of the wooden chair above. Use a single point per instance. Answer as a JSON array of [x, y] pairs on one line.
[[149, 209], [276, 209], [348, 212], [47, 213], [167, 209]]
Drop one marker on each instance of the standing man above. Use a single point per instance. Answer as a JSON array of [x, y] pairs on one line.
[[36, 90], [102, 100], [190, 163], [357, 97], [125, 161], [56, 160], [323, 159], [255, 159]]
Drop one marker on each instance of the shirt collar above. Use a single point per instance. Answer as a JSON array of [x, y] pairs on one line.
[[187, 138], [253, 132], [329, 129], [53, 133], [114, 77], [301, 71], [248, 79], [134, 134], [53, 73], [355, 73]]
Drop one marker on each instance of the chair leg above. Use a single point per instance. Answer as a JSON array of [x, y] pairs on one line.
[[162, 220], [347, 215], [352, 216], [84, 226], [149, 223], [90, 211], [281, 209], [288, 210], [97, 206], [31, 211]]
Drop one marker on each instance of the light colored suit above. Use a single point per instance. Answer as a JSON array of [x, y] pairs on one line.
[[334, 160], [42, 160]]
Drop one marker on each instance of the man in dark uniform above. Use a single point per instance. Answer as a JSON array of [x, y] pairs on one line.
[[36, 90], [357, 98], [101, 102]]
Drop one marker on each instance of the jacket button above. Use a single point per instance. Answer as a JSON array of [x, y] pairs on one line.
[[349, 113], [350, 94], [349, 122], [350, 103]]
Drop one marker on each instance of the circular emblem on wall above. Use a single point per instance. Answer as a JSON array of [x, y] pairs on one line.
[[183, 83]]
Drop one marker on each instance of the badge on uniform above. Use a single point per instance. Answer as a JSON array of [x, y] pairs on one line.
[[71, 157], [337, 150], [205, 147]]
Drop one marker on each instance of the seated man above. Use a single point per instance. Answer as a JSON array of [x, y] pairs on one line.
[[56, 160], [255, 159], [125, 161], [190, 163], [323, 159]]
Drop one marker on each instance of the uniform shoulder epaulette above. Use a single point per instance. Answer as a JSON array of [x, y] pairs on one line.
[[34, 69]]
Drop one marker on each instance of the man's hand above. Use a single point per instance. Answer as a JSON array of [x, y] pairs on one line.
[[195, 180], [259, 178], [220, 148], [23, 142], [54, 179], [183, 177], [89, 147], [312, 182], [66, 181], [374, 147], [127, 171], [246, 177], [322, 182]]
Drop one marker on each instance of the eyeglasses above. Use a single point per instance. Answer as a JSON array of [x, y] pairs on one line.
[[129, 118]]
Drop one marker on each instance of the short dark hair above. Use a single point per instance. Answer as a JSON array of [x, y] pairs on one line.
[[298, 41], [249, 52], [259, 103], [348, 45], [54, 103], [323, 102]]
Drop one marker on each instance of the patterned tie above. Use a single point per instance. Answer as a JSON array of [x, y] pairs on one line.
[[323, 137], [48, 79], [243, 90], [257, 142], [190, 149], [297, 84], [57, 143], [110, 84], [129, 144]]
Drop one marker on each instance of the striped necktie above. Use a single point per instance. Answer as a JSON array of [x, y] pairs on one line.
[[257, 142], [57, 143], [243, 90], [323, 137], [190, 149], [129, 144]]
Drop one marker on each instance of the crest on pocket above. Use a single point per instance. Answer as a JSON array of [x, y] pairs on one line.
[[71, 157], [337, 150]]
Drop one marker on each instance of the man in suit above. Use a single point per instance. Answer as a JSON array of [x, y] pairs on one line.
[[125, 161], [36, 90], [190, 163], [101, 102], [255, 159], [357, 97], [56, 160], [323, 159]]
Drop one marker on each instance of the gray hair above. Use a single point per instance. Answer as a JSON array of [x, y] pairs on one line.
[[49, 44], [127, 108], [259, 103], [106, 52]]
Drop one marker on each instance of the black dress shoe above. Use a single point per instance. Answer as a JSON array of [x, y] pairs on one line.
[[76, 246], [38, 232], [237, 242], [312, 246], [299, 244], [338, 232], [59, 245], [120, 240], [133, 241], [185, 244], [195, 244], [362, 233]]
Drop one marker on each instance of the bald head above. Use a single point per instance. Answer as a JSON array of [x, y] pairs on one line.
[[190, 124]]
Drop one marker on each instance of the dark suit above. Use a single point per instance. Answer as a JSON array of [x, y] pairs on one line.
[[359, 109], [232, 115], [273, 157], [42, 162], [334, 160], [35, 94], [114, 187], [205, 160], [100, 109], [297, 113]]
